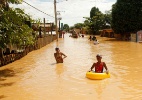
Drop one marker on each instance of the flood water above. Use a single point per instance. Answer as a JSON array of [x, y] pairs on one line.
[[38, 77]]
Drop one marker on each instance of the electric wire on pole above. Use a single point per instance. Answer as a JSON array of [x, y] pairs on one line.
[[37, 8]]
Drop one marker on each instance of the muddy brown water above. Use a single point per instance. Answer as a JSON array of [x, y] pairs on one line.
[[38, 77]]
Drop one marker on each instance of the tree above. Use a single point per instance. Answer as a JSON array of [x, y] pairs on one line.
[[5, 3], [97, 20], [71, 28], [10, 1], [14, 30], [66, 27], [127, 16], [108, 17], [94, 11], [87, 22], [78, 25]]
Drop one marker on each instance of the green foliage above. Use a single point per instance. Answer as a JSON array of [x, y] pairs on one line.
[[108, 16], [66, 27], [97, 20], [13, 29], [86, 23], [15, 1], [94, 11], [79, 25], [127, 16], [5, 3], [71, 27]]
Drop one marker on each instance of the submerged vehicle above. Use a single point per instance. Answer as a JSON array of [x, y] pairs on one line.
[[74, 35]]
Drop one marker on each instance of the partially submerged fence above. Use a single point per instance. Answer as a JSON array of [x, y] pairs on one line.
[[10, 55]]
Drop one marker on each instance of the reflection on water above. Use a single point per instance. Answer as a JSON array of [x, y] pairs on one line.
[[38, 77], [7, 73], [60, 68], [2, 96]]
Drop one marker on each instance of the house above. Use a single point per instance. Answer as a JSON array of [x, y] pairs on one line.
[[47, 27]]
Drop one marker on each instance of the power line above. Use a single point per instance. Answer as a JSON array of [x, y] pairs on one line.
[[37, 9]]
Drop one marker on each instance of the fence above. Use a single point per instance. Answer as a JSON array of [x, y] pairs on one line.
[[11, 56]]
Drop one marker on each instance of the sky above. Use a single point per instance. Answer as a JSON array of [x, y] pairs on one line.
[[71, 11]]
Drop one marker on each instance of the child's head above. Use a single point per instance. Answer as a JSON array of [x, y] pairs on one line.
[[99, 57], [57, 49]]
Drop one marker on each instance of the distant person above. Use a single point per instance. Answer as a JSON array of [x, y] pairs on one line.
[[94, 38], [59, 56], [99, 65], [82, 35], [90, 38], [96, 42]]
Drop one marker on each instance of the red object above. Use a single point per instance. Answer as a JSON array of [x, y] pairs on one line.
[[99, 67]]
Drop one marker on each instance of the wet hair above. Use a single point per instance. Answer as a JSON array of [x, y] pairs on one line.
[[56, 48], [98, 55]]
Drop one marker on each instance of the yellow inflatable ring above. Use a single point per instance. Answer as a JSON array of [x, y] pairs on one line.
[[97, 76]]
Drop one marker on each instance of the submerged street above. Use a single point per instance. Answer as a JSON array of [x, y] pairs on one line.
[[38, 77]]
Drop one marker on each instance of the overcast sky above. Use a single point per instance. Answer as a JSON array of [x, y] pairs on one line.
[[72, 11]]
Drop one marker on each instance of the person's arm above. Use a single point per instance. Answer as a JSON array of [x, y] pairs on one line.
[[106, 68], [55, 55], [93, 66], [64, 55]]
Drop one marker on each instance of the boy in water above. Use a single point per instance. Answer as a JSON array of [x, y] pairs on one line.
[[90, 38], [58, 56], [99, 66], [94, 38], [96, 42]]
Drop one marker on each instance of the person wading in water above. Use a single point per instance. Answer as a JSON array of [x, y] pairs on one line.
[[99, 66], [59, 56]]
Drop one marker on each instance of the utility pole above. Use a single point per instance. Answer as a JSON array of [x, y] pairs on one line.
[[59, 18], [44, 27], [55, 18]]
